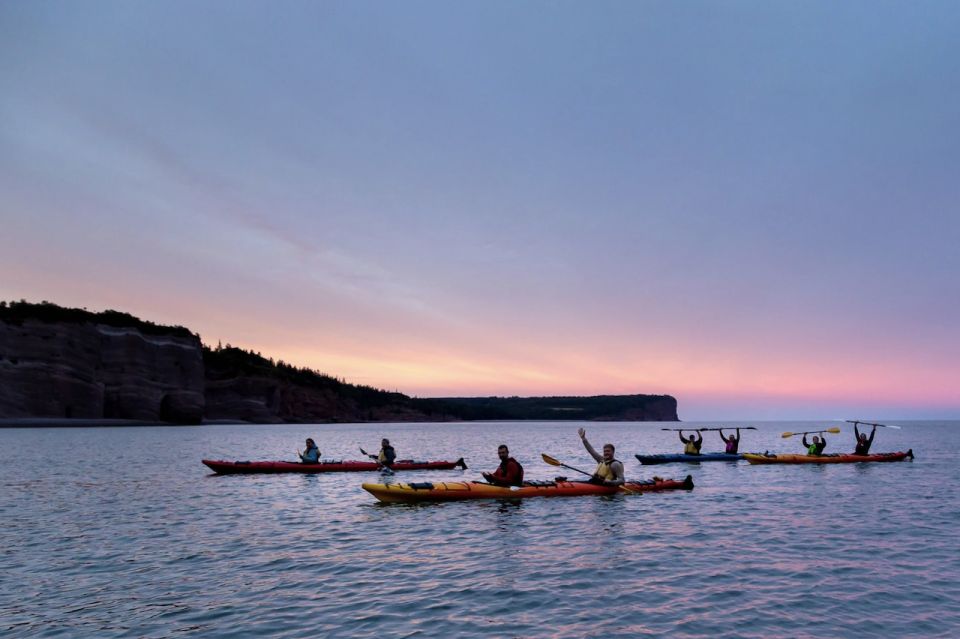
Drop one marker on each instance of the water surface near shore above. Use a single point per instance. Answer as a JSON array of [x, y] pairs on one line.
[[122, 532]]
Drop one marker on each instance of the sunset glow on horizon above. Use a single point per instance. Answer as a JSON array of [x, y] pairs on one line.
[[758, 217]]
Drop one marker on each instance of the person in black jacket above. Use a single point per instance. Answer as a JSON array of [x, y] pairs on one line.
[[816, 448], [732, 442], [863, 442], [387, 454]]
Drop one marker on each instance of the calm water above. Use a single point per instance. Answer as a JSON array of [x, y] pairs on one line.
[[132, 537]]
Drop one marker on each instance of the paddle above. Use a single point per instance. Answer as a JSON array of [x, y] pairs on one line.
[[834, 430], [556, 462], [850, 421], [383, 469], [704, 429]]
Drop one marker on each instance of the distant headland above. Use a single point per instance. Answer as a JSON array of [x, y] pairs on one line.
[[75, 365]]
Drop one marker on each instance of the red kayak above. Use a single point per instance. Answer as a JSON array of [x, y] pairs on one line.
[[223, 467]]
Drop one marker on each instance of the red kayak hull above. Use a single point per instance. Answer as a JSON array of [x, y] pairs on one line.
[[223, 467]]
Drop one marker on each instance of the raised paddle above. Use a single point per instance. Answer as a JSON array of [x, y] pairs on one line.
[[850, 421], [556, 462], [705, 429], [834, 430]]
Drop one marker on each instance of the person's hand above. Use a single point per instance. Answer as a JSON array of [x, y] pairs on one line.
[[486, 476], [582, 433]]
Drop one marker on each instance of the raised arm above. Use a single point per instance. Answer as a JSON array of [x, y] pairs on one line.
[[725, 441], [699, 437], [856, 433], [872, 433], [738, 435], [682, 438], [583, 437], [805, 444]]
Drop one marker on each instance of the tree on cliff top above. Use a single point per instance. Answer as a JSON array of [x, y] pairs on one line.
[[18, 312]]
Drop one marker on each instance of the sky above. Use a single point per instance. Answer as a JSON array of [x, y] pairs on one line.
[[751, 206]]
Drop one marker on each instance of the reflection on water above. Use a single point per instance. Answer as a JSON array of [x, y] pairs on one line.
[[133, 537]]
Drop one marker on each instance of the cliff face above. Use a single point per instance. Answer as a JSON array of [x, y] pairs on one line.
[[70, 363], [96, 371]]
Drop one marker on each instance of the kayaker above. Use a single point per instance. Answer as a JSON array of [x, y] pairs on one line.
[[816, 448], [693, 444], [387, 454], [509, 473], [609, 470], [863, 442], [732, 442], [311, 455]]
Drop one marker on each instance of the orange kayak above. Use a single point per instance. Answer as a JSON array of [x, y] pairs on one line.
[[827, 459], [462, 490]]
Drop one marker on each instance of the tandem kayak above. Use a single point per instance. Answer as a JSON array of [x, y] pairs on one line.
[[462, 490], [269, 467], [826, 459], [681, 457]]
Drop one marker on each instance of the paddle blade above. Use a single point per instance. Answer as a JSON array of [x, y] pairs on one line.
[[550, 460], [363, 452], [834, 430], [785, 435]]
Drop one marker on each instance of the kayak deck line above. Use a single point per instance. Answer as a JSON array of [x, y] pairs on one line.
[[224, 467], [669, 458], [835, 458], [461, 491]]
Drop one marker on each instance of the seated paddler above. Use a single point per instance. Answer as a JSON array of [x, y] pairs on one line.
[[311, 455], [815, 448], [863, 442], [509, 473], [609, 469], [693, 443], [732, 442], [387, 454]]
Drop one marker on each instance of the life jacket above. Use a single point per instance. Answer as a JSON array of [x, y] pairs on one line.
[[732, 445], [863, 447], [604, 471], [385, 459], [691, 448]]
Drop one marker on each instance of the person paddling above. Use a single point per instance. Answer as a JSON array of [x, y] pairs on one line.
[[732, 442], [863, 442], [509, 473], [816, 448], [693, 444], [387, 454], [609, 469], [311, 455]]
